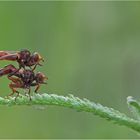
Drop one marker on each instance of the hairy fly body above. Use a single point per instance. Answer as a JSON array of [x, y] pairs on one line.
[[22, 78], [24, 58]]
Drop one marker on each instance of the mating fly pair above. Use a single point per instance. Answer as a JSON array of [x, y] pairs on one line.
[[22, 77]]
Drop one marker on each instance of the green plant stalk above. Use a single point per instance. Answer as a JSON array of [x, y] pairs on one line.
[[134, 106], [77, 104]]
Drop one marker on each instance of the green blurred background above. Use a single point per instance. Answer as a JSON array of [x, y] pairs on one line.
[[91, 49]]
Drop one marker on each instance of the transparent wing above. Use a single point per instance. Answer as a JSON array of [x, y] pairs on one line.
[[11, 57]]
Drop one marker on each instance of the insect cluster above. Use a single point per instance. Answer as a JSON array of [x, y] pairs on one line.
[[23, 77]]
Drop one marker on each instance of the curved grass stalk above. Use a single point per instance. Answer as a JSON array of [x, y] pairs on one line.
[[134, 107], [77, 104]]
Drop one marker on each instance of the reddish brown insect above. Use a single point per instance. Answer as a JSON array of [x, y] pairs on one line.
[[23, 57], [22, 78]]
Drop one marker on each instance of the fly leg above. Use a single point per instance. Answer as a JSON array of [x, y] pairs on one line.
[[17, 95], [37, 88], [34, 67], [16, 83], [12, 87], [25, 92], [29, 92]]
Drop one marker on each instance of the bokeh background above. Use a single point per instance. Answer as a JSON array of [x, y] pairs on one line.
[[92, 50]]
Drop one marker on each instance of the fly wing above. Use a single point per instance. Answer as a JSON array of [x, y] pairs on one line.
[[7, 70], [2, 53], [11, 57]]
